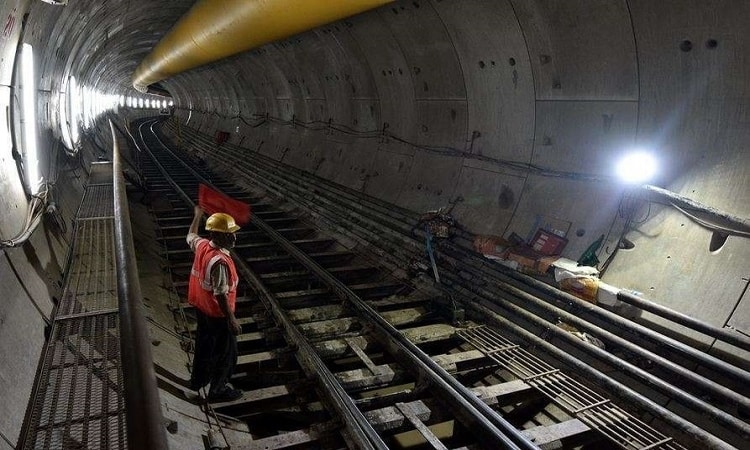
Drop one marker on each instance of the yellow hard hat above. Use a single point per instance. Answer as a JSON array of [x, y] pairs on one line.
[[223, 223]]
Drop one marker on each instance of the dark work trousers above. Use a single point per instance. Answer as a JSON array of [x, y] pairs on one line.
[[215, 353]]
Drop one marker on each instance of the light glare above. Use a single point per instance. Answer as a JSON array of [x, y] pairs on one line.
[[74, 96], [64, 105], [637, 167], [29, 116]]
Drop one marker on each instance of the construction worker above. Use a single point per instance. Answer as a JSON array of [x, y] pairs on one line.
[[213, 291]]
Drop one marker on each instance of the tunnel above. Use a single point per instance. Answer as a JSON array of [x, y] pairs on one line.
[[473, 223]]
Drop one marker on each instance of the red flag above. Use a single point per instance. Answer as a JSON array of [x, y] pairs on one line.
[[213, 202]]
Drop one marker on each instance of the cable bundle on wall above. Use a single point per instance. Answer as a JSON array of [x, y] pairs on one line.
[[37, 207]]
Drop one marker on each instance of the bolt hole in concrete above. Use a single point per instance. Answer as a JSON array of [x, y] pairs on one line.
[[686, 46], [512, 61], [712, 43], [718, 240], [580, 232]]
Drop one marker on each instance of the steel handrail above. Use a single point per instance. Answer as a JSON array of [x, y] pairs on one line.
[[143, 414]]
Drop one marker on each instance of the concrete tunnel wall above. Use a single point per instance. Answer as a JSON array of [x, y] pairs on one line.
[[568, 86], [466, 86]]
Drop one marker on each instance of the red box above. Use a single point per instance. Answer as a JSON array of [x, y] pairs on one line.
[[547, 243]]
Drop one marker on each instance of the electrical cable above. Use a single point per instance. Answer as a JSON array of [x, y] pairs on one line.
[[7, 440], [167, 330], [36, 209], [203, 421], [627, 213], [384, 133], [46, 318]]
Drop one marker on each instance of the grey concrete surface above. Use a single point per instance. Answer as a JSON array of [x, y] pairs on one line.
[[21, 339]]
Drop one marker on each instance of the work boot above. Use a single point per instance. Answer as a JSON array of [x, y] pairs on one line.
[[227, 393]]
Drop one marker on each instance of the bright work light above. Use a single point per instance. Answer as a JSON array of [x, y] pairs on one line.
[[29, 118], [637, 167]]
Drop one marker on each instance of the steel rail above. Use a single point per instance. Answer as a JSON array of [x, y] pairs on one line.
[[493, 426], [481, 265], [143, 411], [706, 385], [716, 364], [571, 302], [699, 436], [721, 334], [365, 436], [720, 417], [357, 425], [393, 215], [370, 205]]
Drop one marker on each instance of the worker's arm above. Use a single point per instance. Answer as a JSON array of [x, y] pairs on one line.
[[232, 322], [198, 215]]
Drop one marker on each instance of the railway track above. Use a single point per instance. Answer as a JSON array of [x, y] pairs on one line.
[[337, 352]]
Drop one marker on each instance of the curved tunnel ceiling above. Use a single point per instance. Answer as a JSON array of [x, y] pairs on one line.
[[514, 110]]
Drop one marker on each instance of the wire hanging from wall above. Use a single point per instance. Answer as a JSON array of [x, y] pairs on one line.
[[36, 209], [384, 133]]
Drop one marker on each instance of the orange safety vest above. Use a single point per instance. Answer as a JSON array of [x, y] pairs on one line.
[[200, 289]]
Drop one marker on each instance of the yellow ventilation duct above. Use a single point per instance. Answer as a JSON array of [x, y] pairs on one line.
[[216, 29]]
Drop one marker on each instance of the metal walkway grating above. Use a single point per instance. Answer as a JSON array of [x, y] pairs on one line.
[[579, 401], [92, 282], [80, 404], [78, 397], [98, 202]]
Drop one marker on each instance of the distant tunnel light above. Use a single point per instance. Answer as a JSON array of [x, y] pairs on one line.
[[75, 99], [637, 167], [64, 111], [29, 118]]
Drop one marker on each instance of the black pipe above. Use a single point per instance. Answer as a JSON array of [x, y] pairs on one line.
[[721, 417], [735, 339], [695, 355], [707, 385], [702, 439], [142, 408], [512, 277], [506, 276], [700, 381]]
